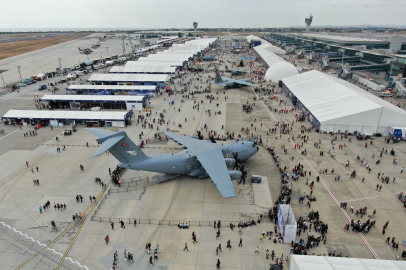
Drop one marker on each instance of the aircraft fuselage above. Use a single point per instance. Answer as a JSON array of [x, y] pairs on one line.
[[185, 162]]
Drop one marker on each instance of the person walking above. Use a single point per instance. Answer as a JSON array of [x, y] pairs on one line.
[[257, 250], [218, 264], [26, 163], [186, 248], [229, 244], [107, 239], [112, 225], [240, 244]]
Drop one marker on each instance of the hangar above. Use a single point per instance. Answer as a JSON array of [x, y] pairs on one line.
[[335, 105], [84, 102]]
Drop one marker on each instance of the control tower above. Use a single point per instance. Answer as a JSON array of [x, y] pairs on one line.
[[195, 26], [308, 22]]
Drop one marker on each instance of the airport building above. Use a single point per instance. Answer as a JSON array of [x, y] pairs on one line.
[[89, 89], [68, 118], [95, 102], [335, 105]]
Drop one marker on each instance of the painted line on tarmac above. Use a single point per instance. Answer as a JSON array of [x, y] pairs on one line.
[[56, 239], [81, 226], [39, 243], [9, 134], [372, 197], [322, 182]]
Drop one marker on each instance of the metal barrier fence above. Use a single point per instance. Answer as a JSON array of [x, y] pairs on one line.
[[191, 223]]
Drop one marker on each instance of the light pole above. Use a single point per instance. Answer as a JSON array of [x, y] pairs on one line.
[[87, 57], [60, 63], [19, 72], [108, 51], [1, 72]]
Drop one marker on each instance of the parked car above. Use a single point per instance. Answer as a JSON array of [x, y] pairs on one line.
[[37, 126], [42, 87], [21, 85]]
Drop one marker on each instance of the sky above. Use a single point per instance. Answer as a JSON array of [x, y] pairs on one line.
[[208, 13]]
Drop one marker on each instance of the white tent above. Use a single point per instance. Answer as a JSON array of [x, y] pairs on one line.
[[332, 104], [278, 67], [301, 262]]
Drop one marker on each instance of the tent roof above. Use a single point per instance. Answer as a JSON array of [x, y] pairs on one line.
[[154, 64], [94, 98], [112, 87], [157, 70], [128, 78], [65, 115], [300, 262], [330, 98]]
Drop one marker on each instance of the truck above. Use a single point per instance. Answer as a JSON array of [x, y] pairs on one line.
[[397, 133]]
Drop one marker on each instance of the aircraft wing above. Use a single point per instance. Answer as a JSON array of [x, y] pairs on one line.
[[189, 142], [241, 82], [214, 164]]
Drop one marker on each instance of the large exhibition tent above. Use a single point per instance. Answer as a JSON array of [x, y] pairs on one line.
[[278, 68], [335, 105], [302, 262]]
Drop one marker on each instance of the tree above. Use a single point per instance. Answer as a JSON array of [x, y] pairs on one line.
[[180, 34], [398, 52]]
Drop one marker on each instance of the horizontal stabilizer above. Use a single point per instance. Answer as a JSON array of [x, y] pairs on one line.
[[99, 133], [106, 145]]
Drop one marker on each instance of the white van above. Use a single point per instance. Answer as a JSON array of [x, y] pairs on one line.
[[386, 94]]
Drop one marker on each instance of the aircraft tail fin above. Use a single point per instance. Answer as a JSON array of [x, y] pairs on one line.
[[118, 144], [218, 78]]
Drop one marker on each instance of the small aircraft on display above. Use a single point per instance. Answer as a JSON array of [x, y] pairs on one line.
[[202, 158], [231, 83], [85, 50], [236, 71]]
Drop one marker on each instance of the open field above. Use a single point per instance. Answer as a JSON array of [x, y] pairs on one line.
[[10, 49]]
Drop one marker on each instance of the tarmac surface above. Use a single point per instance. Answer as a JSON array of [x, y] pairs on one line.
[[159, 208], [47, 59]]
